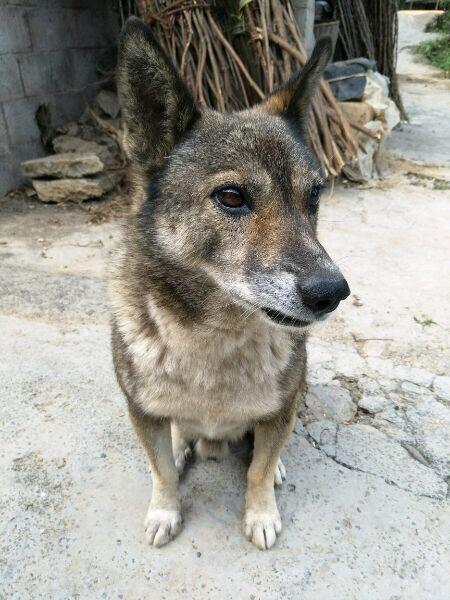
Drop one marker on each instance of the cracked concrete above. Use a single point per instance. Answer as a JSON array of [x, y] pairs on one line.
[[364, 508]]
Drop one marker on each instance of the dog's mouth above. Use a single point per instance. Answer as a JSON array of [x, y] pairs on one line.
[[281, 319]]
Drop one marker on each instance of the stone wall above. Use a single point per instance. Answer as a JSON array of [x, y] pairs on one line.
[[48, 52]]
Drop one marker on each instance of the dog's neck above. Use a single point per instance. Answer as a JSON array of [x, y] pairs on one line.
[[194, 301]]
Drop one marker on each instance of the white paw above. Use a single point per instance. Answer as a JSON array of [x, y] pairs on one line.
[[280, 473], [262, 528], [162, 525], [181, 457]]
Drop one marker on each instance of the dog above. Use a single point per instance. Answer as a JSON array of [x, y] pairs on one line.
[[218, 277]]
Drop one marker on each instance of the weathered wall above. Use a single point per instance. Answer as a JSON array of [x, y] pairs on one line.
[[48, 50]]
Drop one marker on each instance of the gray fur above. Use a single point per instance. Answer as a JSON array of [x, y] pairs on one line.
[[196, 357]]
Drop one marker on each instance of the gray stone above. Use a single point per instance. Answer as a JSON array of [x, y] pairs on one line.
[[14, 33], [441, 385], [74, 190], [430, 421], [69, 164], [11, 86], [383, 366], [19, 115], [323, 433], [374, 404], [368, 385], [317, 375], [70, 143], [413, 388], [393, 416], [349, 363], [108, 102], [367, 449], [402, 436], [4, 145], [331, 402], [50, 73], [413, 375], [392, 422]]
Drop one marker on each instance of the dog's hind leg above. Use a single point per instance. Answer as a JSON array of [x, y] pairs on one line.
[[163, 520], [180, 447], [262, 521], [213, 449]]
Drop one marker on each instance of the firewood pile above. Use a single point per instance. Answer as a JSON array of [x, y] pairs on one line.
[[234, 53]]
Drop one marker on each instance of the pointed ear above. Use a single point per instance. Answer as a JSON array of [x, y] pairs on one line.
[[156, 105], [293, 99]]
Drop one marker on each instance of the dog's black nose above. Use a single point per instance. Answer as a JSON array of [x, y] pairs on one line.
[[323, 294]]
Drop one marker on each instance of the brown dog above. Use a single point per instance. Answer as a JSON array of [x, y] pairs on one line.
[[218, 277]]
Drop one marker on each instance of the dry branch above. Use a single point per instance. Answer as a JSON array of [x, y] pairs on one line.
[[232, 54]]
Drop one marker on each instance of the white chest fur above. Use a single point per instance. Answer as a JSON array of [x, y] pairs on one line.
[[215, 382]]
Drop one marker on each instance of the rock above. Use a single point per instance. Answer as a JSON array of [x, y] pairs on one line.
[[368, 385], [374, 404], [331, 402], [387, 385], [392, 422], [70, 128], [358, 112], [413, 388], [70, 143], [366, 449], [395, 417], [430, 421], [349, 363], [374, 347], [74, 190], [69, 164], [402, 436], [319, 375], [323, 432], [108, 102], [413, 375], [383, 366], [318, 353], [441, 386]]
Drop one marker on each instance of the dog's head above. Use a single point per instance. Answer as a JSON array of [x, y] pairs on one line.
[[235, 195]]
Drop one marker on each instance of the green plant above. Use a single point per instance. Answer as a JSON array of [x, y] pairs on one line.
[[441, 24], [425, 321], [437, 52]]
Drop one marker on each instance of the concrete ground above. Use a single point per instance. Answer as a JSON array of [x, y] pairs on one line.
[[364, 504]]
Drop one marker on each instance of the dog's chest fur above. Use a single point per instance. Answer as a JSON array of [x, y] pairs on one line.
[[214, 382]]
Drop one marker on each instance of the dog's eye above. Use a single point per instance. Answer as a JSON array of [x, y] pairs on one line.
[[232, 200], [314, 197]]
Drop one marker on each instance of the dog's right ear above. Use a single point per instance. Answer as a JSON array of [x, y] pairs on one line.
[[156, 105], [293, 100]]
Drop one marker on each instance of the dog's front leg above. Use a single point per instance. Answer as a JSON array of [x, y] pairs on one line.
[[163, 520], [262, 522]]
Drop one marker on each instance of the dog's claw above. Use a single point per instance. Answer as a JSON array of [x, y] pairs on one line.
[[161, 526], [262, 528], [280, 473], [183, 456]]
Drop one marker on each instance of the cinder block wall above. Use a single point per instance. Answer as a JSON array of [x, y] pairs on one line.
[[48, 51]]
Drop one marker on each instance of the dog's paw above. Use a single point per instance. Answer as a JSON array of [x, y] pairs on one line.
[[211, 449], [262, 527], [162, 525], [182, 457], [280, 473]]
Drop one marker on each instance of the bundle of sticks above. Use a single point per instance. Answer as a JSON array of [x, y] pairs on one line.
[[233, 53]]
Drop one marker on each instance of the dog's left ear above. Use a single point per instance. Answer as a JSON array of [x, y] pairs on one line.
[[156, 104], [294, 98]]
